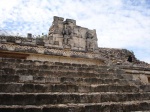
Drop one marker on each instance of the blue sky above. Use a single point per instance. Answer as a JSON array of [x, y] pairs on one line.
[[119, 23]]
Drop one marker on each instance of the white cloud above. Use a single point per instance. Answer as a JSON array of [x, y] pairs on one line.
[[119, 23]]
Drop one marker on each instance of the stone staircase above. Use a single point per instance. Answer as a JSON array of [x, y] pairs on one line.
[[34, 86]]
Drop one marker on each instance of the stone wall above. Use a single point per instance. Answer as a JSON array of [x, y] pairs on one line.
[[66, 34], [121, 57], [38, 46], [30, 49], [67, 39]]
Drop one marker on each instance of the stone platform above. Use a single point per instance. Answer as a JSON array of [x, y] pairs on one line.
[[48, 54]]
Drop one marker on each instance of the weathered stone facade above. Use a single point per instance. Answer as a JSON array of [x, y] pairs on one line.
[[65, 39], [121, 57], [66, 34], [67, 72]]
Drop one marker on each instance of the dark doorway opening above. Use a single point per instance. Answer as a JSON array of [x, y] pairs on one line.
[[129, 59]]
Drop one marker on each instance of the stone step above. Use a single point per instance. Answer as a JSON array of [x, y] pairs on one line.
[[79, 80], [9, 78], [131, 106], [40, 64], [145, 88], [9, 61], [61, 73], [141, 68], [119, 107], [30, 87], [52, 66], [55, 80], [65, 98], [43, 67], [10, 68], [55, 73]]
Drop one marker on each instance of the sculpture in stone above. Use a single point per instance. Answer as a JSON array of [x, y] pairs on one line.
[[66, 34]]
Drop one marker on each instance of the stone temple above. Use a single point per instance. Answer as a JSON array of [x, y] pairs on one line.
[[66, 71]]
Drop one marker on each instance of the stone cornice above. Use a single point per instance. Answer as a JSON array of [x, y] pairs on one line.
[[28, 49]]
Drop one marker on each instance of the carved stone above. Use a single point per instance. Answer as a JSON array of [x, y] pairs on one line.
[[66, 34], [31, 41], [91, 40]]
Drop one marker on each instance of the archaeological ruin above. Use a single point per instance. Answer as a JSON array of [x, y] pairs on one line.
[[66, 71]]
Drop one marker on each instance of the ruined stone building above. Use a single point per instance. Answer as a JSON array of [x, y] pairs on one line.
[[66, 71]]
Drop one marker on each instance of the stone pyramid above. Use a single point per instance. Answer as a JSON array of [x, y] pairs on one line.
[[65, 71]]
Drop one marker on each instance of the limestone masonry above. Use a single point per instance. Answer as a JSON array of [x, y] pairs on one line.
[[66, 71], [66, 34]]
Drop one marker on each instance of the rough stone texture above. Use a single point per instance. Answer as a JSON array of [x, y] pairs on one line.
[[45, 86], [120, 57], [67, 72], [65, 38], [66, 34]]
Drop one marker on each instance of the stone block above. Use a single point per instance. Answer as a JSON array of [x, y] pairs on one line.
[[22, 72], [83, 99], [94, 98], [109, 98], [145, 88], [121, 81], [63, 88], [39, 79], [9, 71], [67, 64], [84, 89], [133, 96], [6, 99], [28, 88], [41, 88], [40, 41], [116, 108], [18, 60], [101, 88], [72, 88], [10, 88], [26, 78], [18, 99], [127, 88], [29, 99], [122, 97], [31, 71], [43, 99], [68, 98], [144, 96], [130, 107], [44, 66], [3, 39], [52, 80], [67, 80], [93, 80], [144, 106], [90, 75], [11, 39], [58, 63], [53, 67]]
